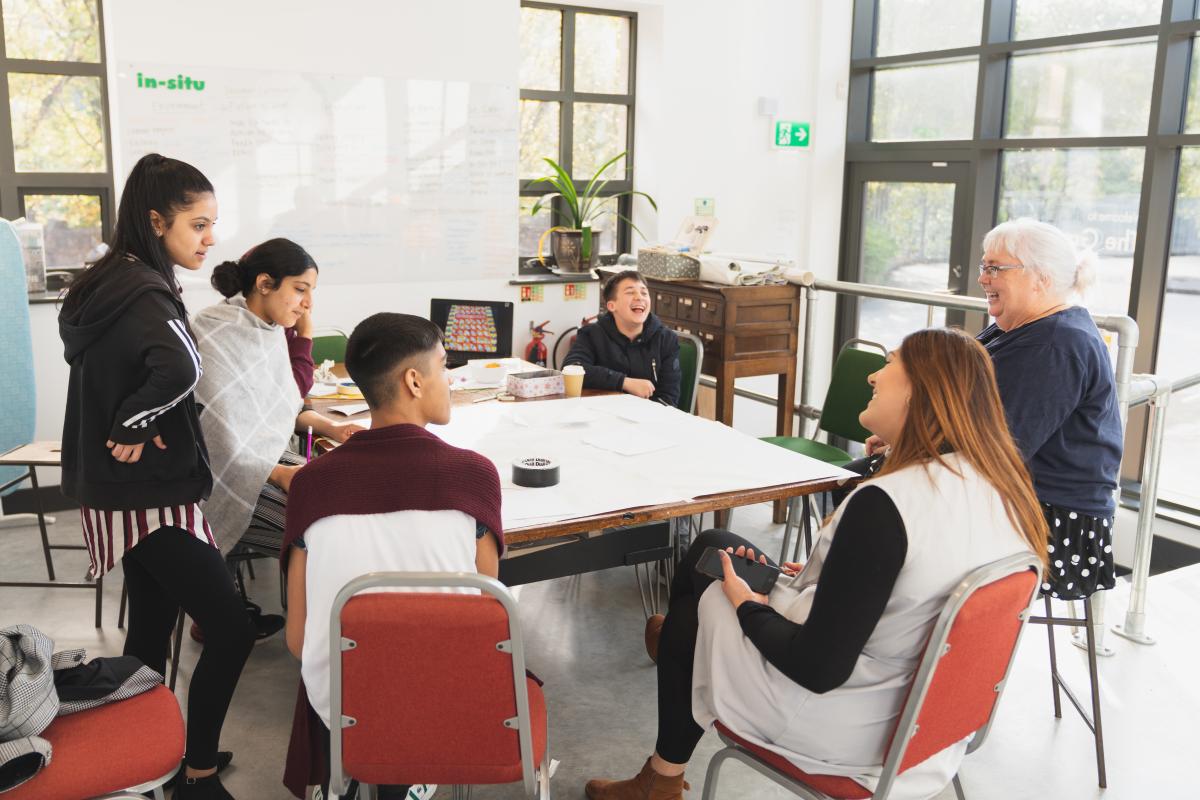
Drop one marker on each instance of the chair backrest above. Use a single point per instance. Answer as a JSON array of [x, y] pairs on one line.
[[426, 686], [960, 679], [691, 358], [18, 406], [849, 391], [329, 344]]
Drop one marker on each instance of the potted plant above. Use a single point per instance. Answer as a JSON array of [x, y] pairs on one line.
[[571, 243]]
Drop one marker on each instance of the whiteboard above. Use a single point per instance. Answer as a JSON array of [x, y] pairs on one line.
[[381, 179]]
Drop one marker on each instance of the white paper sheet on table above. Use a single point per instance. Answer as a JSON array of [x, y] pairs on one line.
[[703, 457], [349, 409]]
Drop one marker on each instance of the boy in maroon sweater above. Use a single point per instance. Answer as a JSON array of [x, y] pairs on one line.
[[392, 498]]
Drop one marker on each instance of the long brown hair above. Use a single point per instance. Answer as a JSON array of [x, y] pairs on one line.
[[955, 407]]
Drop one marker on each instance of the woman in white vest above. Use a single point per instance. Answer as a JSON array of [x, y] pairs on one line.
[[818, 670]]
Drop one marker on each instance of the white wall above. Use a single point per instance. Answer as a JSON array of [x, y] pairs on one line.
[[702, 65]]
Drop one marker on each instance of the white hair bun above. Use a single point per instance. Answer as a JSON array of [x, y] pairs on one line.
[[1085, 271]]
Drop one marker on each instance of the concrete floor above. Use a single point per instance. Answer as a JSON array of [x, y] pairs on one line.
[[585, 639]]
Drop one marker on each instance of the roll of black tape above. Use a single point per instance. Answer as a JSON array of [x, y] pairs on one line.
[[535, 472]]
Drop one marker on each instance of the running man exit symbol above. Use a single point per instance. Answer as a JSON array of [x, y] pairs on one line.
[[791, 134]]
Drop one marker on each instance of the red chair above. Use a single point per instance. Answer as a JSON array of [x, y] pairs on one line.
[[114, 751], [955, 692], [431, 687]]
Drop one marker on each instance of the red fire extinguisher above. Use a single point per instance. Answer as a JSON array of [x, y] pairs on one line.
[[535, 351]]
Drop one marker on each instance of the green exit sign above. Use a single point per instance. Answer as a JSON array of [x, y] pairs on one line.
[[791, 134]]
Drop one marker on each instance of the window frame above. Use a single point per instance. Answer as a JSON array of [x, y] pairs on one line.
[[15, 185], [1161, 143], [566, 96]]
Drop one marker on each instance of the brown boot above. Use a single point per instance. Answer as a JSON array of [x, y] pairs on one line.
[[648, 785], [653, 631]]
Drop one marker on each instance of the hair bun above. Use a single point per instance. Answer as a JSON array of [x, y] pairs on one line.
[[227, 278], [1085, 271]]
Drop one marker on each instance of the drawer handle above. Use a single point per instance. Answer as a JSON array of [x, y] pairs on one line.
[[687, 301], [704, 305], [708, 336]]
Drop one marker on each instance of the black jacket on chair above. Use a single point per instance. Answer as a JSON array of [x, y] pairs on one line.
[[134, 365], [608, 357]]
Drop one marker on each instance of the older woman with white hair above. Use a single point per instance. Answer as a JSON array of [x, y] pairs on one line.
[[1056, 383]]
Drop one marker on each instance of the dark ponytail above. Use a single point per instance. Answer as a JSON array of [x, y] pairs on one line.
[[275, 258], [156, 183]]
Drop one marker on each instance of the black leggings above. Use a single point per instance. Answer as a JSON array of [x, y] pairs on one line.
[[678, 733], [171, 568]]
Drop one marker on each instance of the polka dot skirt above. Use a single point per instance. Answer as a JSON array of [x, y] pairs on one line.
[[1080, 550]]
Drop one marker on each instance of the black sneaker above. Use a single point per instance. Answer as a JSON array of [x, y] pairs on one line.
[[265, 625], [224, 759], [206, 788]]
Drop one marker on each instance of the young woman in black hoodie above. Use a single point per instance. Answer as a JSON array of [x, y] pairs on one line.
[[133, 454]]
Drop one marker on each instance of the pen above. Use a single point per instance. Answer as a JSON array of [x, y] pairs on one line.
[[654, 369], [308, 454]]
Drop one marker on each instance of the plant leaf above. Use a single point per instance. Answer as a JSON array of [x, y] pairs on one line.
[[564, 184], [589, 191]]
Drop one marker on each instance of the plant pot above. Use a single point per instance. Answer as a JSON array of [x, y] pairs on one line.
[[567, 246]]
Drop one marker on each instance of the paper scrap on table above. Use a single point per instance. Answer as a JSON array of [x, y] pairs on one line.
[[632, 446], [349, 409]]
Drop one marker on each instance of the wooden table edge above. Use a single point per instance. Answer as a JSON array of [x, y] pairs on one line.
[[656, 513]]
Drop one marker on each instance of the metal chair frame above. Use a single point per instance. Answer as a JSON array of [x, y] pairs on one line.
[[96, 585], [906, 727], [534, 779], [1092, 720]]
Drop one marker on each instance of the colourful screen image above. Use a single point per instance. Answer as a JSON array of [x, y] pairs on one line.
[[471, 329]]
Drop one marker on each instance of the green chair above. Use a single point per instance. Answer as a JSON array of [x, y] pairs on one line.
[[691, 358], [847, 396], [329, 344]]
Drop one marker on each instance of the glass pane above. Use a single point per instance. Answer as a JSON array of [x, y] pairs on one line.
[[1092, 194], [72, 225], [1177, 339], [604, 226], [57, 123], [1038, 18], [599, 135], [918, 26], [905, 243], [52, 30], [1191, 123], [601, 53], [539, 137], [1093, 91], [930, 102], [541, 48], [531, 228]]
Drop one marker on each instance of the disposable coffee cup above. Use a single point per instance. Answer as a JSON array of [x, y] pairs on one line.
[[573, 380]]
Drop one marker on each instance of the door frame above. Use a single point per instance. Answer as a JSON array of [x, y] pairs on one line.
[[858, 174]]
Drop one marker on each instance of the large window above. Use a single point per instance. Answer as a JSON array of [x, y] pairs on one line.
[[577, 93], [1082, 113], [55, 154]]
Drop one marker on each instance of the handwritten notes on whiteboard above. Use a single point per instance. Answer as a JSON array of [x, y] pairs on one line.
[[382, 179]]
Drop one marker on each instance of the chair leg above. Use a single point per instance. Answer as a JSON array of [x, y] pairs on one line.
[[41, 517], [714, 769], [99, 601], [807, 528], [178, 645], [1094, 675], [1053, 660], [958, 790], [788, 522], [121, 607], [250, 567]]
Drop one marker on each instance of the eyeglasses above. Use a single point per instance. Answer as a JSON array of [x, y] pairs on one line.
[[992, 270]]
